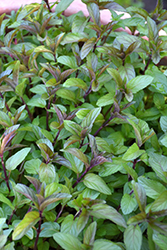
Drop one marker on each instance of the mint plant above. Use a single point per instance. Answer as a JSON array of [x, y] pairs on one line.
[[83, 123]]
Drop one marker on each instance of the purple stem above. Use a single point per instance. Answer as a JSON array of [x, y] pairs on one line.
[[56, 138], [82, 175], [38, 231], [11, 216], [47, 116], [60, 212], [30, 115], [5, 173], [103, 125]]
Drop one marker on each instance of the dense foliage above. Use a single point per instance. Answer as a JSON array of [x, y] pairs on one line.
[[83, 124]]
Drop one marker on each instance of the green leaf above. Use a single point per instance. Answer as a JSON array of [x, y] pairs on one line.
[[53, 198], [153, 188], [79, 154], [138, 83], [90, 233], [127, 71], [104, 211], [67, 241], [66, 94], [72, 127], [160, 203], [158, 164], [6, 201], [62, 5], [74, 37], [47, 173], [86, 48], [152, 30], [2, 223], [136, 219], [133, 237], [75, 82], [94, 12], [26, 191], [49, 229], [163, 123], [95, 182], [140, 195], [128, 203], [16, 159], [105, 245], [160, 240], [37, 102], [4, 74], [5, 120], [132, 153], [116, 76], [105, 100], [69, 61], [3, 240], [29, 220], [90, 118], [32, 166]]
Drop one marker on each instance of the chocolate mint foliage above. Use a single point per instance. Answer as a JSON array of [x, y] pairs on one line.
[[83, 129]]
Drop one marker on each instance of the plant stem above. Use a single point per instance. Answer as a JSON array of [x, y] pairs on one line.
[[103, 125], [47, 116], [149, 60], [5, 173], [11, 216], [38, 230], [29, 113], [82, 175], [47, 3], [56, 138], [60, 212]]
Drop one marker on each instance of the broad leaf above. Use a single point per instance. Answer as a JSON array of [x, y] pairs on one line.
[[95, 182], [133, 237], [16, 159], [104, 211], [29, 220], [67, 241], [138, 83]]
